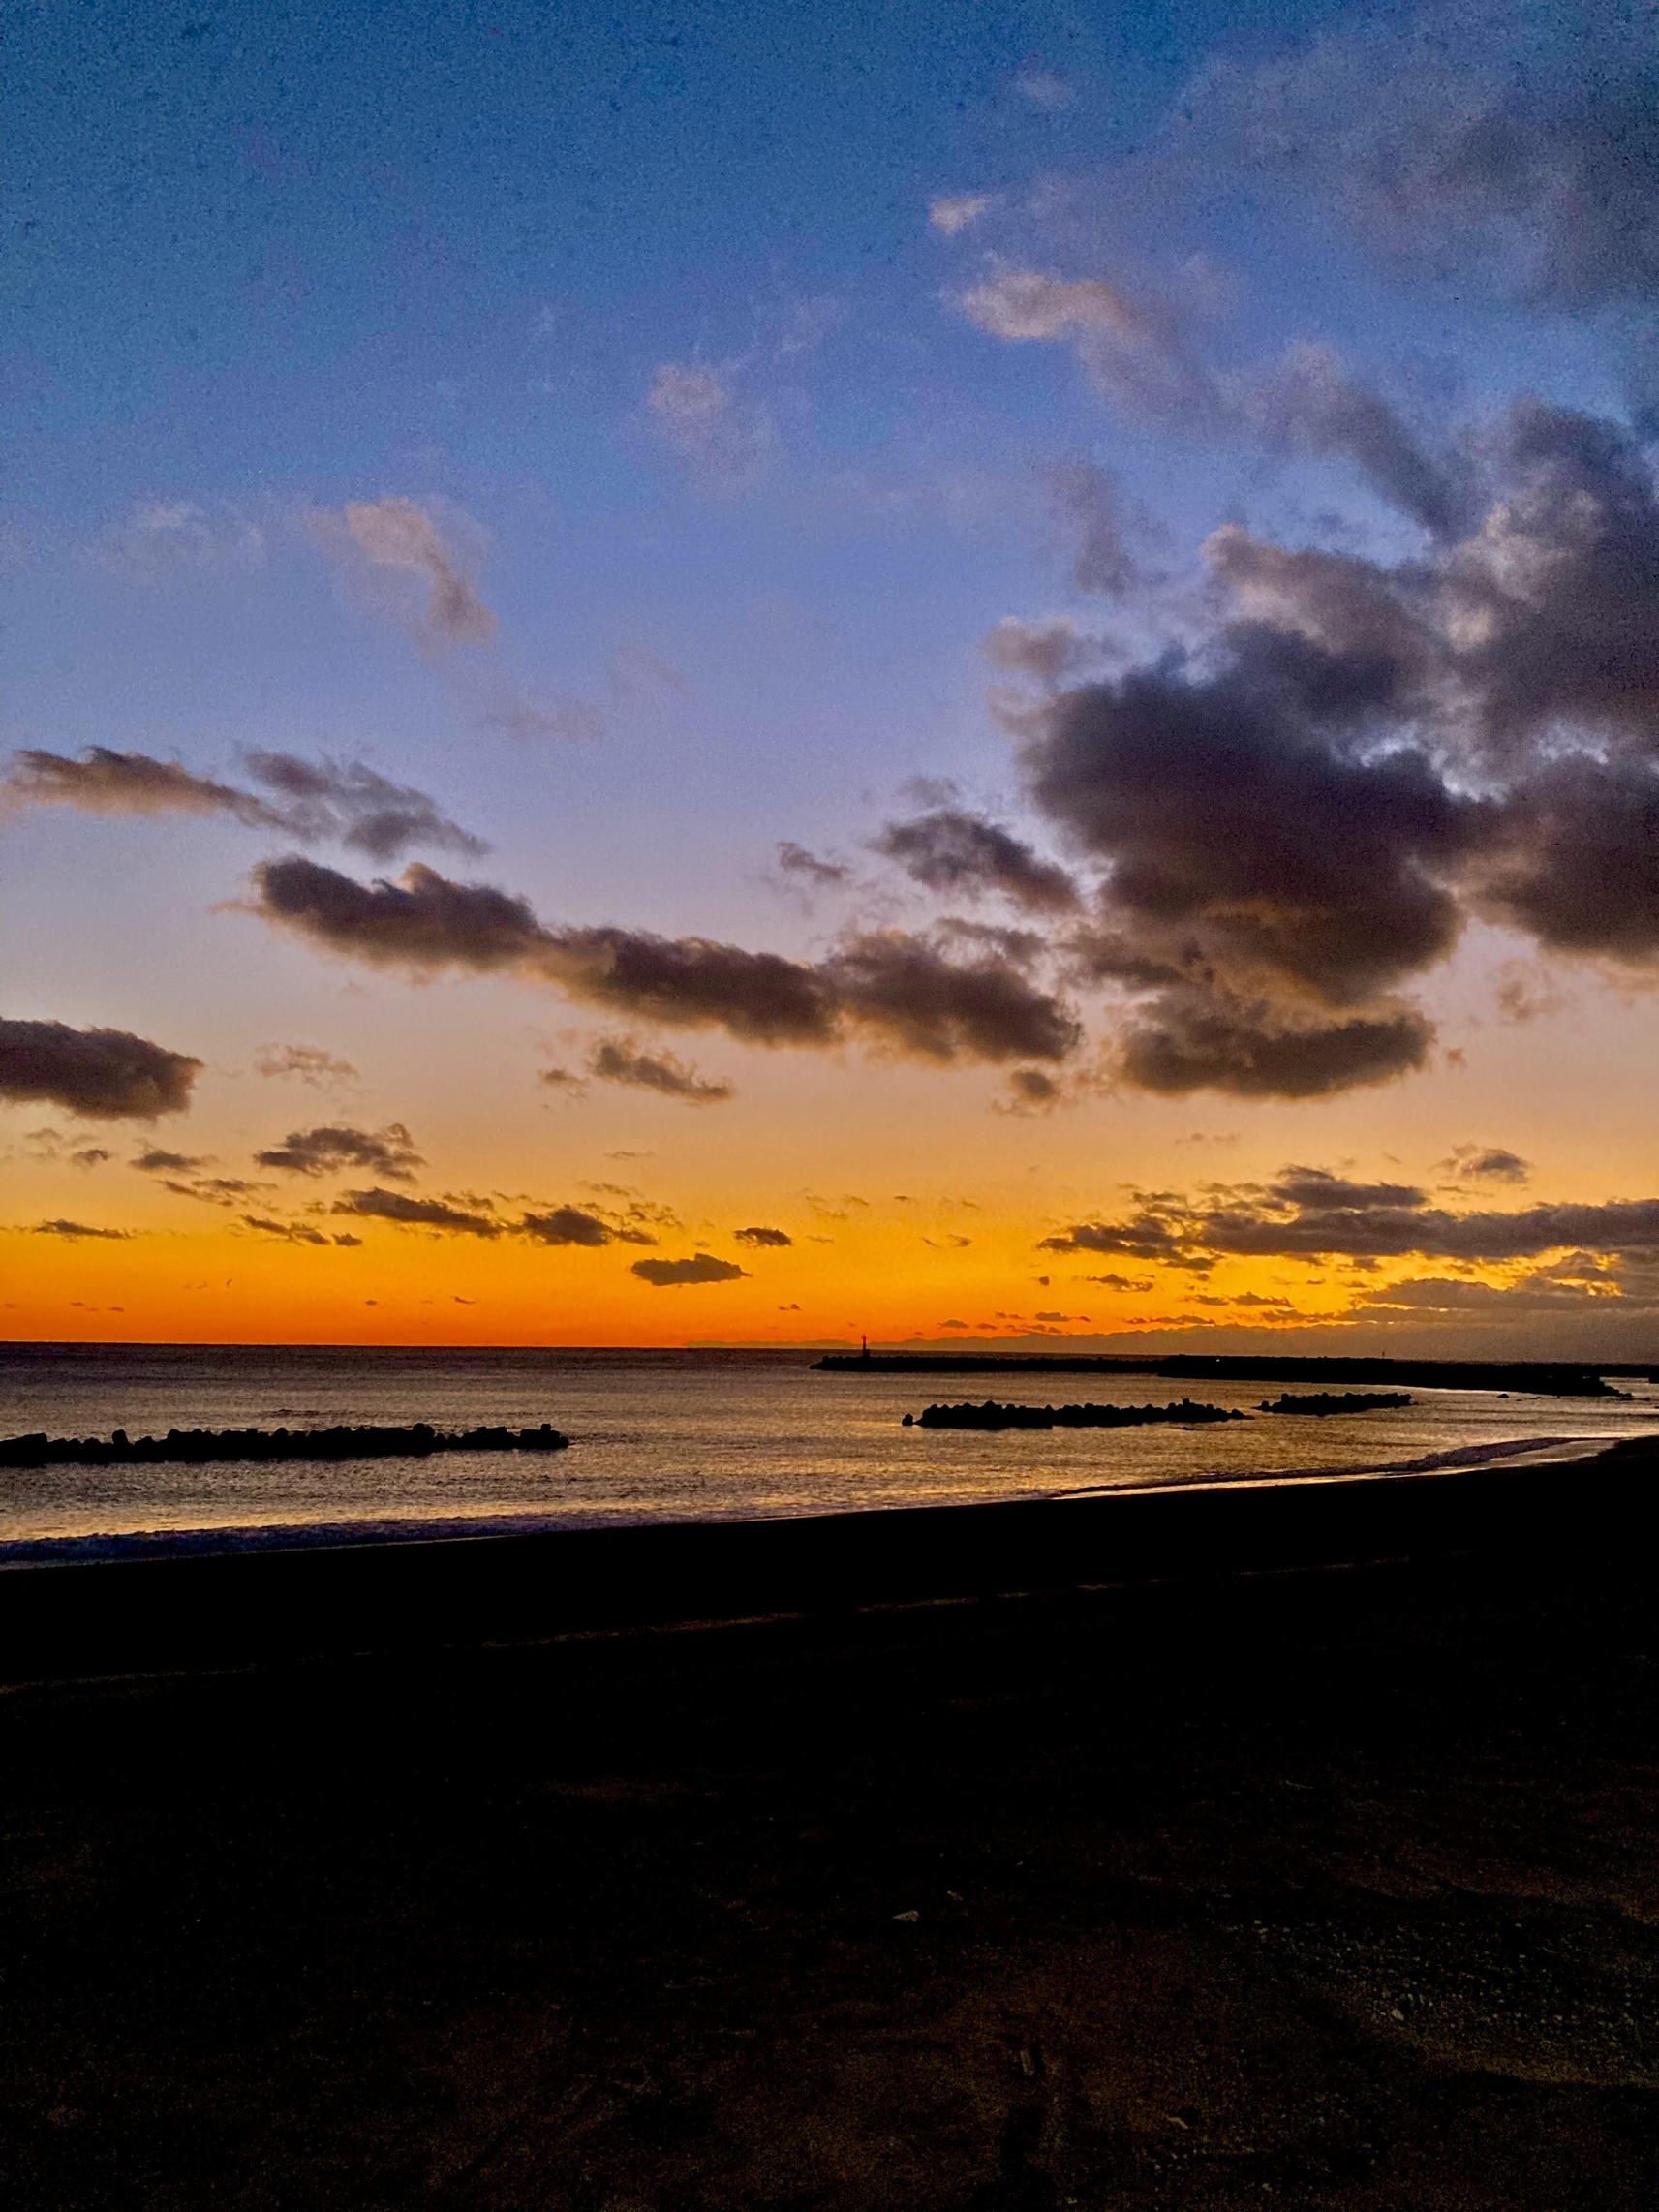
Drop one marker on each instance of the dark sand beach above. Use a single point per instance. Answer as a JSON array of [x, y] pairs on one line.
[[1294, 1847]]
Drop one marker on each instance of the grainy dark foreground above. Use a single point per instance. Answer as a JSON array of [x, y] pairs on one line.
[[1313, 1888]]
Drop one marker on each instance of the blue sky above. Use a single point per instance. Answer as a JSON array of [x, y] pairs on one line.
[[737, 374]]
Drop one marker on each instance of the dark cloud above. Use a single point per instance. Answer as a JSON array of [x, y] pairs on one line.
[[390, 1152], [1247, 828], [1576, 860], [1137, 1283], [460, 1214], [776, 1240], [74, 1230], [1570, 183], [308, 1064], [292, 1232], [574, 1225], [1534, 177], [960, 854], [1292, 818], [759, 997], [1315, 1189], [102, 782], [216, 1190], [895, 990], [676, 1275], [424, 921], [397, 1205], [1549, 609], [1307, 1213], [1144, 1237], [1486, 1163], [96, 1074], [1297, 816], [1538, 1294], [91, 1156], [154, 1161], [1031, 1091], [902, 992], [345, 802], [620, 1061], [1190, 1039]]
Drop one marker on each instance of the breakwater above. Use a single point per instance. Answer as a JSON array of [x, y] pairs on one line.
[[1539, 1378], [991, 1415], [204, 1446], [1343, 1402]]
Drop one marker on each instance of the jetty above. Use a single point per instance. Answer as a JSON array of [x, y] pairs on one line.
[[204, 1447], [1318, 1404], [991, 1415], [1538, 1378]]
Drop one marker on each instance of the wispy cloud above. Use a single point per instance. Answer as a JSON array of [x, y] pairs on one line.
[[1043, 87], [394, 538], [731, 441], [163, 539], [346, 802], [954, 212], [305, 1063], [77, 1231]]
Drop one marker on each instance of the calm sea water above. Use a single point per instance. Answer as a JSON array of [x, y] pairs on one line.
[[656, 1436]]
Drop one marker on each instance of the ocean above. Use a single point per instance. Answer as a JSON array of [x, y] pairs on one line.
[[655, 1436]]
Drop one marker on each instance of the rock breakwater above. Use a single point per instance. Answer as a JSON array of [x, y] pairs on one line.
[[1339, 1402], [991, 1415], [203, 1446]]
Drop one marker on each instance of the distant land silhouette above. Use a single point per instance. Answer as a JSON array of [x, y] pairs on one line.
[[1542, 1378]]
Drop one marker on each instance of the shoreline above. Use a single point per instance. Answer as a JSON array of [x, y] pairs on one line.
[[211, 1607], [206, 1539]]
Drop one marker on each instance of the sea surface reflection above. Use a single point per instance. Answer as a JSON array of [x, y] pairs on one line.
[[656, 1436]]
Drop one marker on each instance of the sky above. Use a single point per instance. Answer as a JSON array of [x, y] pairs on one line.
[[697, 674]]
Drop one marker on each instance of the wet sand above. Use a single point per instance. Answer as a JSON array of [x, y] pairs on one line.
[[1326, 1885]]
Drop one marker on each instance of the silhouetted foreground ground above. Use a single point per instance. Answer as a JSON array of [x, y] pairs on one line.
[[1320, 1889]]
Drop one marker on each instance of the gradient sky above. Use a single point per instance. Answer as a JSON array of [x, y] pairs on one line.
[[692, 673]]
